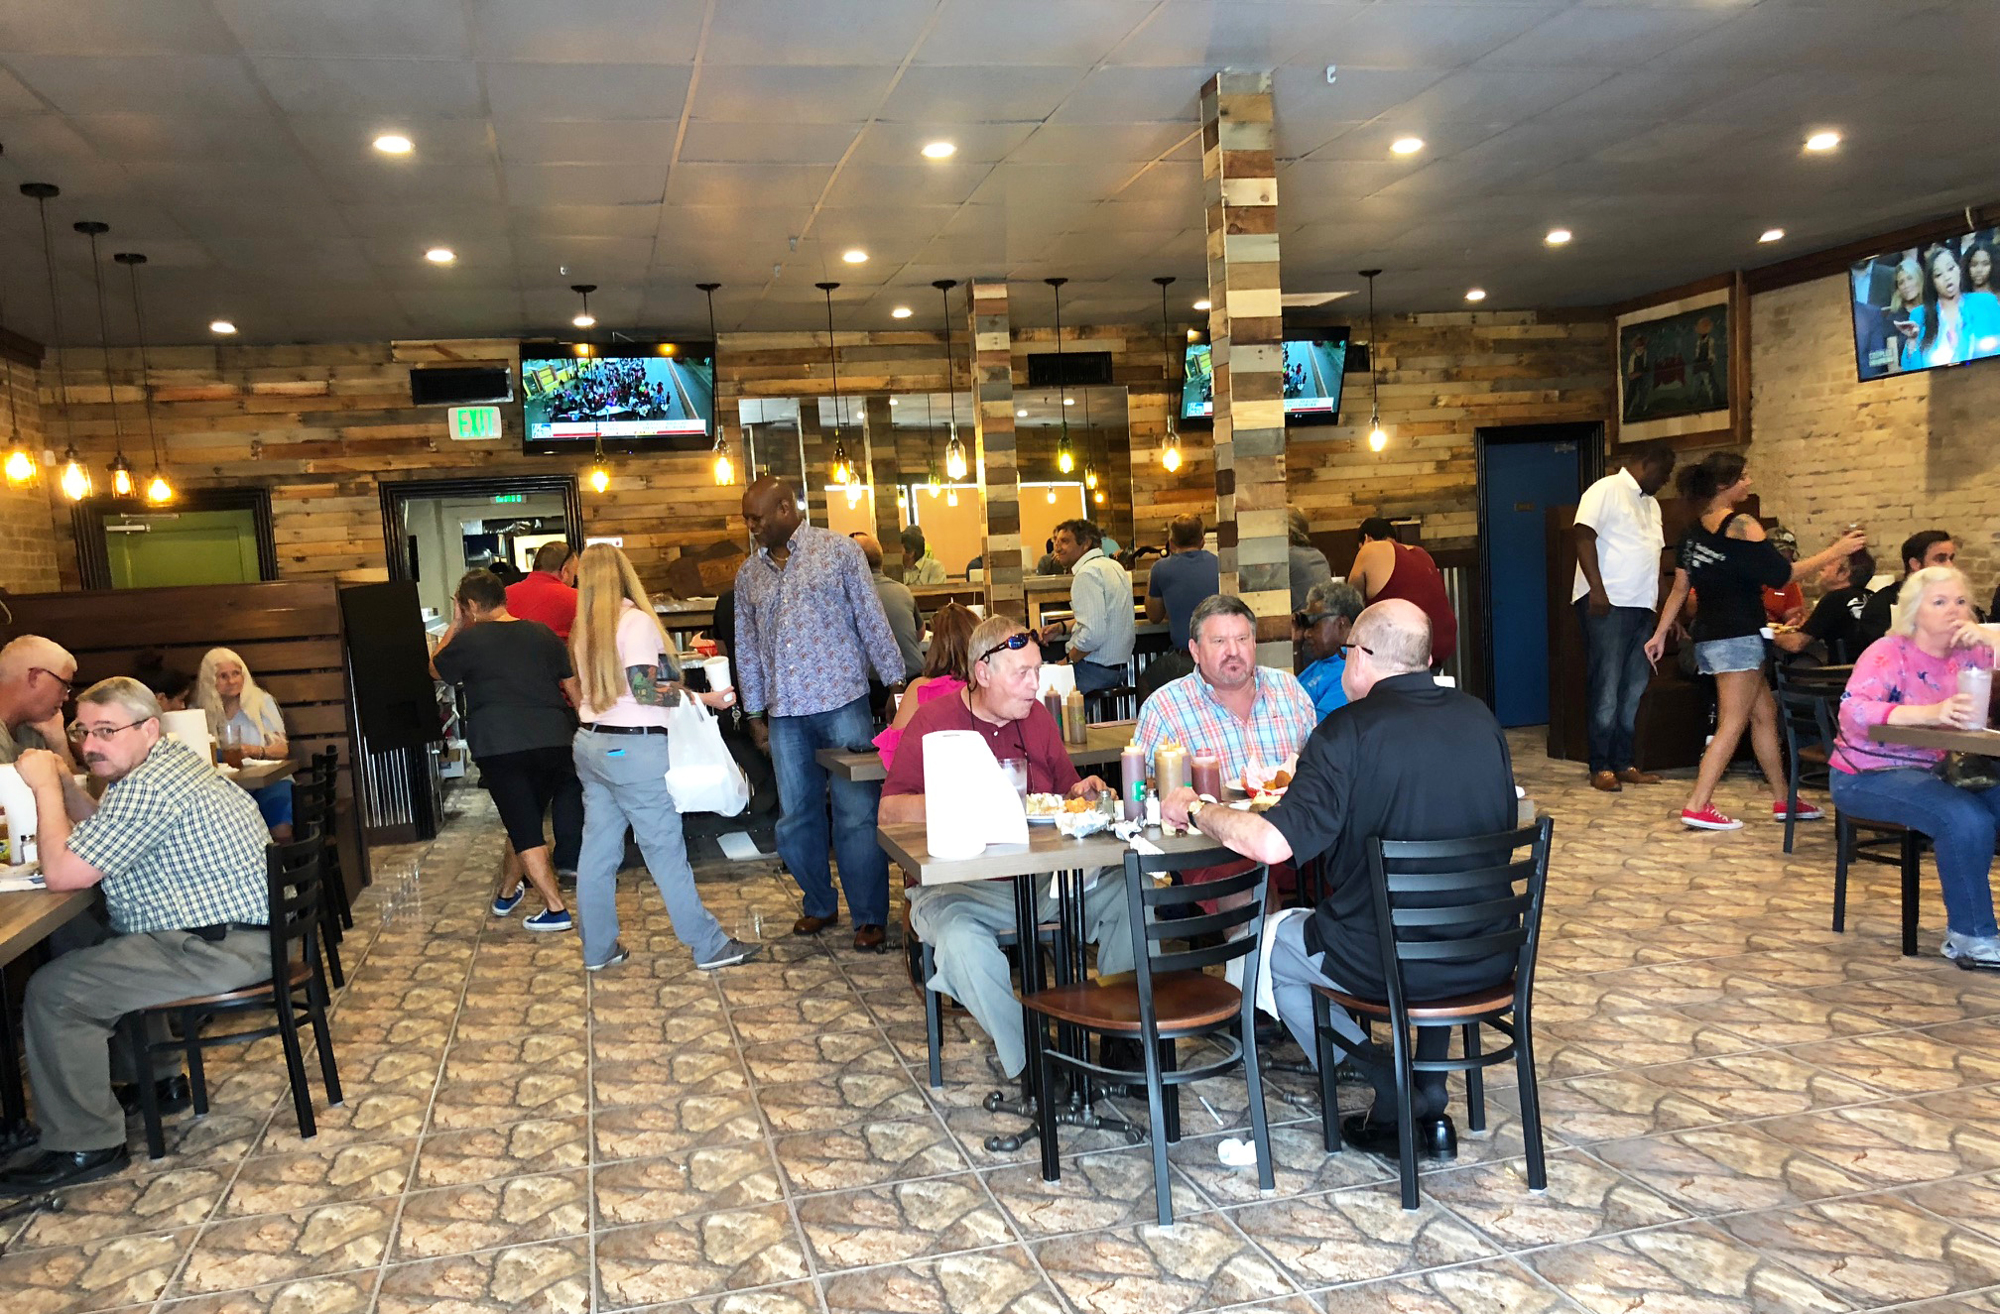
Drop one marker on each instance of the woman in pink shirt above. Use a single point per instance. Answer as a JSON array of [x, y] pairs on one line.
[[1910, 677], [944, 673]]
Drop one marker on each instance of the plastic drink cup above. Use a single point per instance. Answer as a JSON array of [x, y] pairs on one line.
[[718, 673], [1977, 682]]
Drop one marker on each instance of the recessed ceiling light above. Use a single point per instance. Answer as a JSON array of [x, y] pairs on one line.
[[1407, 145], [221, 326], [900, 312], [1772, 235], [939, 150], [585, 321], [1823, 141], [855, 257], [1475, 294], [390, 143], [440, 255], [1201, 304], [1558, 236]]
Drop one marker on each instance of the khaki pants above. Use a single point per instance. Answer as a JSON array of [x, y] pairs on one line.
[[73, 1005]]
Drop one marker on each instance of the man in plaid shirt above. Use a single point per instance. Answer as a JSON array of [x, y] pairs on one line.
[[178, 852]]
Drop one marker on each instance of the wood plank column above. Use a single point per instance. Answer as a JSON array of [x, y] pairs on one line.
[[994, 453], [1246, 333], [882, 470]]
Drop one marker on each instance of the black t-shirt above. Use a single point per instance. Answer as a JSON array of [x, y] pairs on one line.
[[1412, 760], [1876, 615], [1836, 622], [511, 672], [1731, 575]]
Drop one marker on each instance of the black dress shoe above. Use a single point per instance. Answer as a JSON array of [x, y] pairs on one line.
[[172, 1094], [53, 1168], [1436, 1137]]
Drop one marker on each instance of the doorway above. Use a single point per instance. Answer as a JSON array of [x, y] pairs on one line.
[[208, 536], [1523, 471], [437, 529]]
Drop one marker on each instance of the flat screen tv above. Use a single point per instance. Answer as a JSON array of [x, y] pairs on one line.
[[1925, 307], [636, 397], [1315, 361]]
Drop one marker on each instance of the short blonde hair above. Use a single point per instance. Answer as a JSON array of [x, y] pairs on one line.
[[1904, 619]]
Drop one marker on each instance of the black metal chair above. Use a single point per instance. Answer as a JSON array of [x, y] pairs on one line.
[[1804, 717], [1118, 703], [1168, 997], [326, 772], [1892, 845], [1439, 901], [312, 811], [294, 873]]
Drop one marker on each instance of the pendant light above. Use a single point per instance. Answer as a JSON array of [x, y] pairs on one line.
[[931, 479], [955, 465], [120, 469], [1170, 450], [583, 319], [1065, 459], [19, 463], [1377, 439], [843, 469], [158, 490], [724, 472], [599, 474], [74, 476], [1089, 465]]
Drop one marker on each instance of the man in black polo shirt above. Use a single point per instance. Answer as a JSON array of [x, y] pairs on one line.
[[1405, 759], [1836, 619]]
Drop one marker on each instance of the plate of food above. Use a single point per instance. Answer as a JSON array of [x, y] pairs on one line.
[[1042, 808], [1261, 782]]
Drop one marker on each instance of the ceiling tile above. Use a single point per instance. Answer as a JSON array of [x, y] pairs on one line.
[[747, 186], [861, 224], [979, 94], [346, 140], [567, 220], [1131, 94], [1480, 95], [586, 184], [1052, 32], [113, 27], [182, 84], [405, 29], [372, 88], [712, 142], [775, 93], [586, 91], [786, 32], [1089, 143], [186, 137], [1214, 34], [865, 185], [633, 141], [618, 31], [903, 143], [1607, 36]]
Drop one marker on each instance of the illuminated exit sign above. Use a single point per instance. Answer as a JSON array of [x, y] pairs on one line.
[[473, 423]]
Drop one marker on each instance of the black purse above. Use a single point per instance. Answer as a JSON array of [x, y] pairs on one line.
[[1974, 771]]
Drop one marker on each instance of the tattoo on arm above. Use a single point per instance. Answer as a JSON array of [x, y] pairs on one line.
[[645, 686]]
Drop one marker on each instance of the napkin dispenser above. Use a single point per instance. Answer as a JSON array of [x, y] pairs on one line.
[[191, 728], [968, 802], [1058, 678], [18, 802]]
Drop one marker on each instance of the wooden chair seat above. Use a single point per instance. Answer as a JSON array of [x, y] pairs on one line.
[[1814, 755], [1479, 1003], [300, 974], [1181, 1000]]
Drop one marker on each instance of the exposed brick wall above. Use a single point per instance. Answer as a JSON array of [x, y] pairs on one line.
[[27, 534], [1898, 455]]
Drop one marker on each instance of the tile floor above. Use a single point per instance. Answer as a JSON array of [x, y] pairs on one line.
[[1746, 1112]]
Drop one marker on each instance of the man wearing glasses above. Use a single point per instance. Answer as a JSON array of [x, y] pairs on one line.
[[1321, 632], [36, 676], [179, 854]]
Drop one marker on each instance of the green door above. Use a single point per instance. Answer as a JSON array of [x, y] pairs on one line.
[[152, 550]]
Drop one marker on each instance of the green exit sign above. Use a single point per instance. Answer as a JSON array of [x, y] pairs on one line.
[[509, 499], [472, 423]]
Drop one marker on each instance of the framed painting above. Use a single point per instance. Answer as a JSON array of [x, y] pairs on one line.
[[1683, 365]]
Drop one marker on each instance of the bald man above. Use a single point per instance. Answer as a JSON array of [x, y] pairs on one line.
[[1406, 759], [899, 605], [809, 628], [36, 676]]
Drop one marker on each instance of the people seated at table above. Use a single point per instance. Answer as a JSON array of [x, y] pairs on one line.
[[519, 692], [962, 922], [1406, 759], [899, 606], [1321, 630], [1835, 622], [1910, 677], [1929, 547], [1786, 604], [242, 713], [920, 565], [36, 676], [1386, 568], [172, 686], [628, 683], [943, 673], [178, 852], [1102, 625], [809, 629]]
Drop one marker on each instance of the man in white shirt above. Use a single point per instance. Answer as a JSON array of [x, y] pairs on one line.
[[1617, 588], [1100, 602]]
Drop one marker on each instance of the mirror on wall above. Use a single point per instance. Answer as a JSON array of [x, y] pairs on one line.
[[1098, 484], [920, 423], [772, 443]]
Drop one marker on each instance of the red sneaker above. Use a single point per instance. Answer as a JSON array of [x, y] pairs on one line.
[[1806, 812], [1709, 818]]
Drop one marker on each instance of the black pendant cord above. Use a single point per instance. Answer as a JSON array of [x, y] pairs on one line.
[[1062, 373], [833, 361], [944, 286], [91, 230], [132, 261], [721, 445], [42, 192], [7, 385]]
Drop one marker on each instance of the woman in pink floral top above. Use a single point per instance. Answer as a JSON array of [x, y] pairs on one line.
[[944, 673], [1910, 677]]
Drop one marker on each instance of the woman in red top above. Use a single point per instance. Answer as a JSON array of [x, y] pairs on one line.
[[1384, 568]]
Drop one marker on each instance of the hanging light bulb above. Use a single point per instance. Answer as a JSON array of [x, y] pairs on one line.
[[843, 469], [1377, 438], [1065, 459], [20, 465], [584, 319], [41, 193], [1052, 494], [158, 490], [1170, 450], [1090, 477], [119, 469], [955, 465], [954, 457], [725, 472], [935, 484], [853, 495], [1170, 455], [1100, 497], [951, 497], [121, 476], [75, 480], [600, 478]]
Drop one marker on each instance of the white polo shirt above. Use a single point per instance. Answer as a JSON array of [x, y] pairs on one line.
[[1629, 541]]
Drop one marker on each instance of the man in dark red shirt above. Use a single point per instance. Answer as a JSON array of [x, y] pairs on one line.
[[549, 594], [962, 923]]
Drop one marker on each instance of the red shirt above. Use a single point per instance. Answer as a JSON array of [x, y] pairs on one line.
[[1035, 737], [543, 597], [1415, 578]]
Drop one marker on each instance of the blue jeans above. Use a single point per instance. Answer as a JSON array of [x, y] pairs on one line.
[[1616, 674], [803, 785], [625, 784], [1961, 824], [1092, 676]]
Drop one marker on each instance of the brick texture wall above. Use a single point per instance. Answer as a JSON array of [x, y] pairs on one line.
[[27, 536]]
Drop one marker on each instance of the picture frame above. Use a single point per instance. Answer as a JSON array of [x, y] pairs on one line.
[[1681, 365]]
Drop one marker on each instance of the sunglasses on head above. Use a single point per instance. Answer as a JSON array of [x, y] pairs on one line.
[[1012, 643]]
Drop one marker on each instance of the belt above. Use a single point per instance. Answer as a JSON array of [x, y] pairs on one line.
[[220, 930], [596, 729]]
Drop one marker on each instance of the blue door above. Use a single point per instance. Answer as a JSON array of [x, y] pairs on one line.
[[1523, 479]]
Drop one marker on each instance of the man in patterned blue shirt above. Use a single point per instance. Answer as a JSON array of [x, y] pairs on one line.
[[178, 852]]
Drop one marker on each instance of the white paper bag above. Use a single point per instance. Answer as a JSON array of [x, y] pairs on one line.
[[968, 801], [701, 775]]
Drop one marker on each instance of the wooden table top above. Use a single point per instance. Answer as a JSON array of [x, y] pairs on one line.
[[1103, 745], [1047, 850], [1938, 736], [27, 917], [256, 777]]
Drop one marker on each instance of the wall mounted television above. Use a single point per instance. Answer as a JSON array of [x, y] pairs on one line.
[[1315, 362], [635, 396], [1926, 307]]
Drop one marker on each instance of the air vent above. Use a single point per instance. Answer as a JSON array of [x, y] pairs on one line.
[[457, 385]]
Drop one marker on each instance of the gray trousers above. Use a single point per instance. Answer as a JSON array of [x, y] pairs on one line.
[[625, 784], [73, 1005], [962, 925]]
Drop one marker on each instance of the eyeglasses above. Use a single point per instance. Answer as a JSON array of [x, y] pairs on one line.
[[1012, 643], [83, 734], [1345, 648], [68, 685], [1304, 619]]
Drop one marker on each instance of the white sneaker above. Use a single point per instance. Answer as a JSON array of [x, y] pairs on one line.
[[1973, 951]]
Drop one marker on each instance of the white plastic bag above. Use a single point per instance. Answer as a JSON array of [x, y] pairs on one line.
[[701, 775]]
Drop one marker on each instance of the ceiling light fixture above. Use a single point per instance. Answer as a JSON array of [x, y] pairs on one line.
[[74, 475], [1202, 304], [599, 474], [390, 143], [1065, 459], [1475, 294], [1170, 450], [440, 255], [119, 469], [1377, 439], [19, 465], [955, 464], [583, 319], [158, 490], [1558, 236], [1772, 235], [843, 469], [1824, 140], [723, 470], [931, 476], [221, 326], [939, 150], [901, 312], [855, 256], [1407, 145], [1089, 467]]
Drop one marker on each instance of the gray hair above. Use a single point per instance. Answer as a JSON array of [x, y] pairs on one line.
[[31, 650], [1903, 618], [1335, 597], [1219, 604], [988, 635], [122, 691]]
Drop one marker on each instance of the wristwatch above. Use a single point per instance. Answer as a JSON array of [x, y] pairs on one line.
[[1194, 808]]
